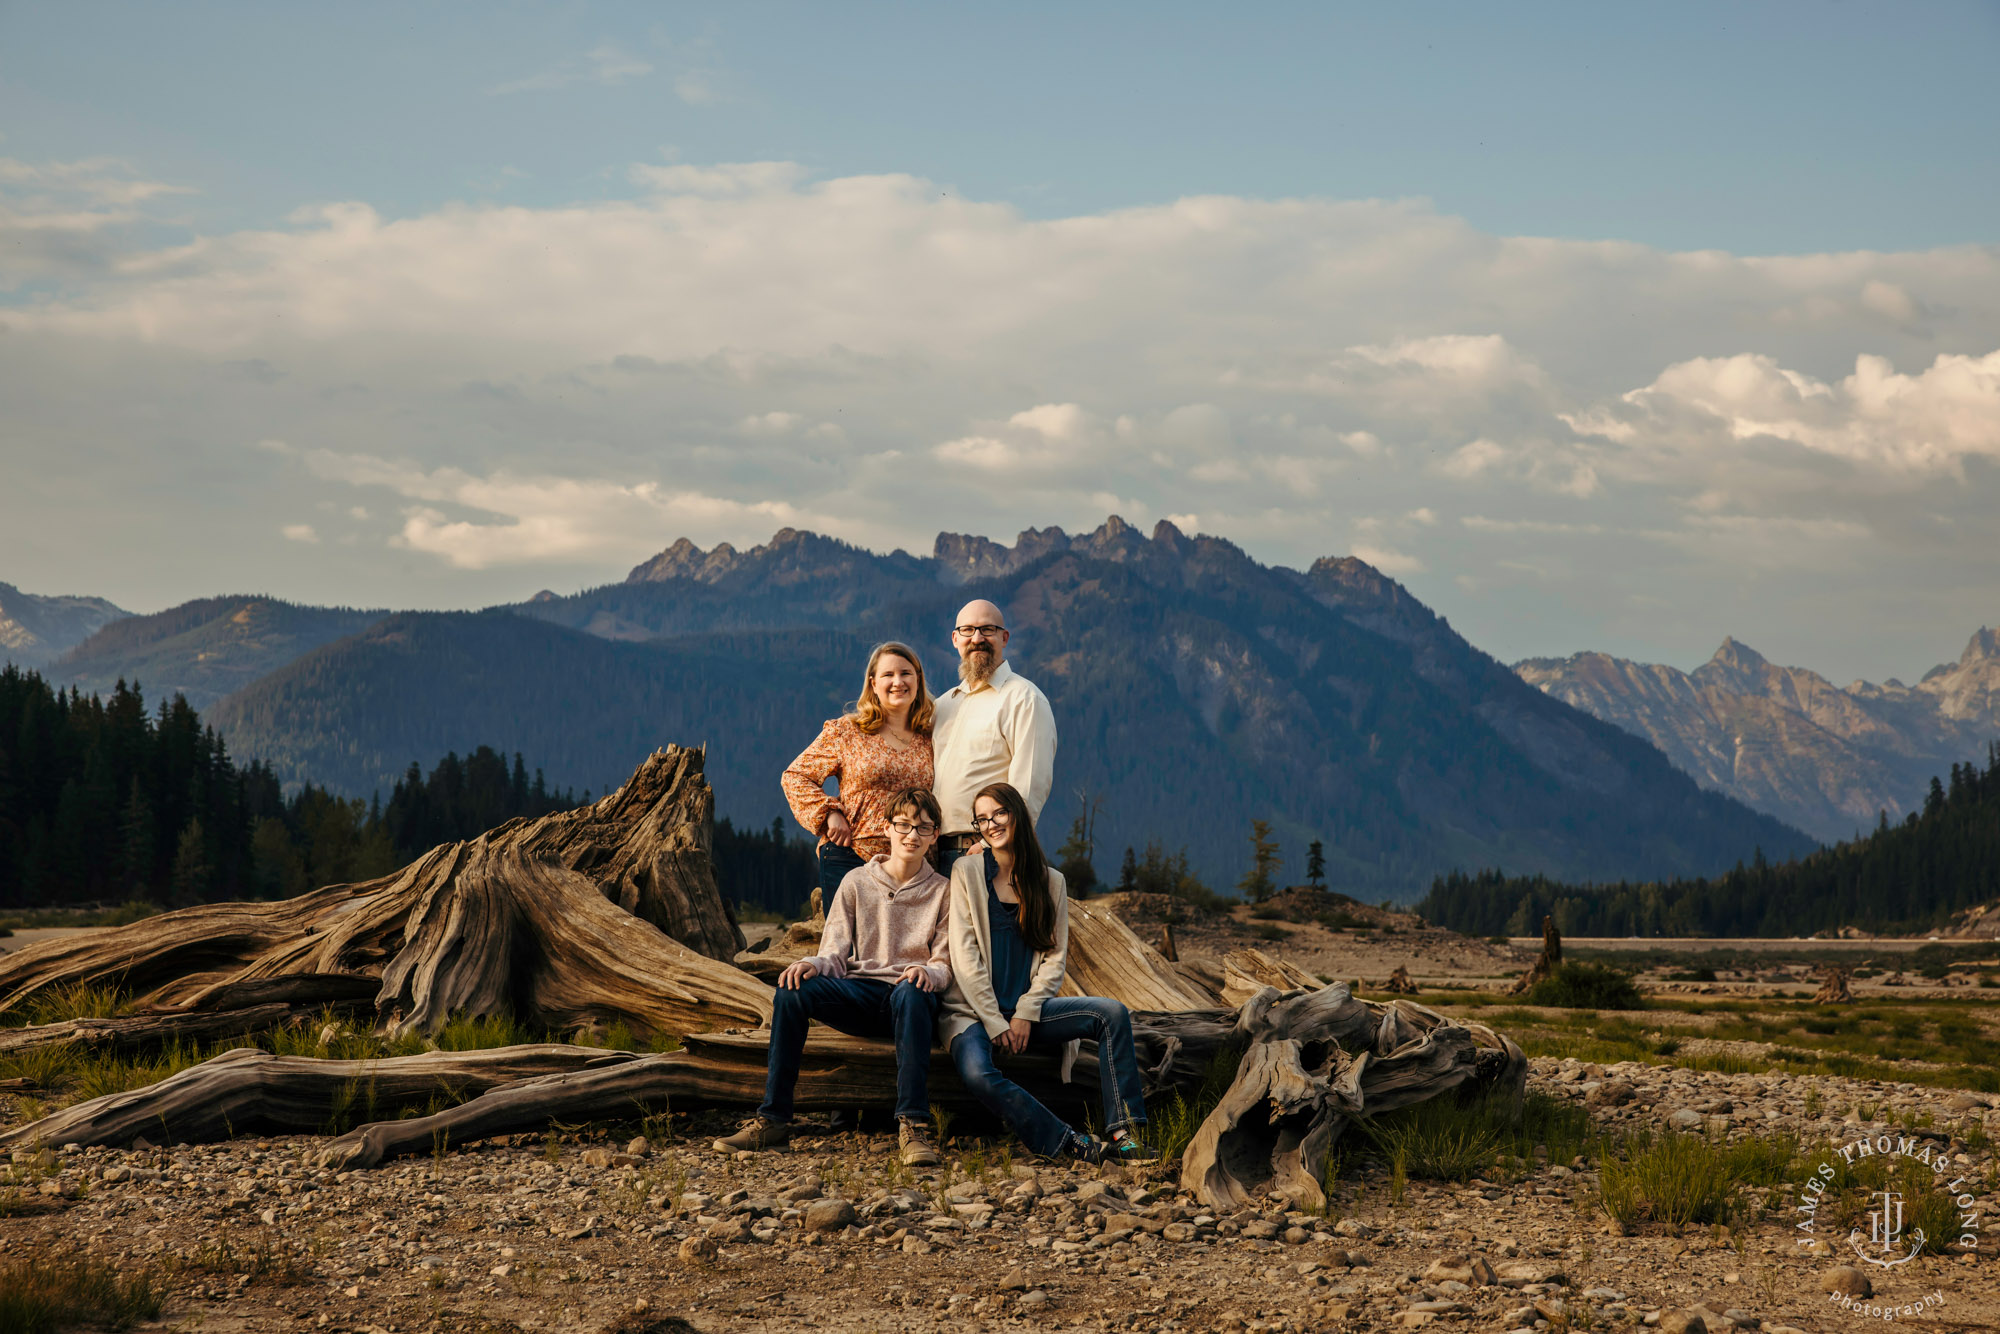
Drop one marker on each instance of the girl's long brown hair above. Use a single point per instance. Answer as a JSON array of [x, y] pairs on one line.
[[868, 713], [1031, 869]]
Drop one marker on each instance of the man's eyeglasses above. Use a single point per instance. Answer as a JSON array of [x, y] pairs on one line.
[[981, 631], [997, 820], [903, 828]]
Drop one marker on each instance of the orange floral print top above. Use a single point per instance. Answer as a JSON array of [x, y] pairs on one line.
[[871, 769]]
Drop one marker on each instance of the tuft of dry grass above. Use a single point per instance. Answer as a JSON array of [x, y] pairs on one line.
[[42, 1296]]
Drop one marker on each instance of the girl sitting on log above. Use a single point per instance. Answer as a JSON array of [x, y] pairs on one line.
[[880, 747], [1009, 949]]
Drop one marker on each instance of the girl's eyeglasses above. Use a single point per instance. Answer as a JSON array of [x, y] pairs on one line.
[[997, 820]]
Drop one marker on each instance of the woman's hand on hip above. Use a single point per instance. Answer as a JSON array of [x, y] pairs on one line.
[[838, 830]]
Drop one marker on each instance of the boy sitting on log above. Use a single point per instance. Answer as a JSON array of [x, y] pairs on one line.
[[883, 965]]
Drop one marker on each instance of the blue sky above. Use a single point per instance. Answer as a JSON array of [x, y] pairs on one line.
[[1612, 327], [1768, 128]]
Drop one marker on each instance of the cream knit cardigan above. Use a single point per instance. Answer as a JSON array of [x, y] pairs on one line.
[[970, 999]]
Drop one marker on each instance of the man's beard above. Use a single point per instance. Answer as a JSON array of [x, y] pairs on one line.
[[976, 665]]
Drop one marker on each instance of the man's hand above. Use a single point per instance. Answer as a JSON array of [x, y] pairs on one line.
[[797, 973], [838, 830], [919, 977], [1015, 1039]]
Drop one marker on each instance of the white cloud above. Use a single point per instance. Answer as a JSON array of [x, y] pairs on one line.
[[1877, 418], [771, 423], [521, 519], [300, 532], [760, 346], [606, 64], [1389, 561]]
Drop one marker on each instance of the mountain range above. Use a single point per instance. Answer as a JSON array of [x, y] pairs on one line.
[[1829, 759], [1196, 690], [36, 630]]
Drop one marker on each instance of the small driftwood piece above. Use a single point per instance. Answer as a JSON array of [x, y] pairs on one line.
[[1833, 988], [1314, 1063], [249, 1090], [1400, 982], [602, 915], [1546, 964], [1168, 950], [141, 1030]]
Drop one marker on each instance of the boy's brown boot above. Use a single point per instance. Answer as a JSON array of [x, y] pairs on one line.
[[914, 1139], [757, 1133]]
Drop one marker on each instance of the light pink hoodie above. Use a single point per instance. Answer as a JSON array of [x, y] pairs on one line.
[[876, 928]]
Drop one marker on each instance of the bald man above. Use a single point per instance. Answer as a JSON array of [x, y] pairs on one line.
[[994, 726]]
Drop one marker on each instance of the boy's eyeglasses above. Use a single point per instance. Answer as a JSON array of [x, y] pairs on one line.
[[904, 828], [997, 820]]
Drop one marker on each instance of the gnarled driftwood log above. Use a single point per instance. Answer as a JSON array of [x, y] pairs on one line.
[[1317, 1061]]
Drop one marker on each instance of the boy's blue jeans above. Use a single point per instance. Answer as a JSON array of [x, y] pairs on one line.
[[862, 1008], [1063, 1018]]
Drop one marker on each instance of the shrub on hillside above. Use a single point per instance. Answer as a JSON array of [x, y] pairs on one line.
[[1580, 985]]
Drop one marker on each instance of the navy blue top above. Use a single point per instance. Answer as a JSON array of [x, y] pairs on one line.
[[1011, 956]]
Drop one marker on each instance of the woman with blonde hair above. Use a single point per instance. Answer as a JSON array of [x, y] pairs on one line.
[[878, 748]]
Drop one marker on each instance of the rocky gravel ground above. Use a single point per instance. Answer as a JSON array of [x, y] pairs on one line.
[[565, 1234]]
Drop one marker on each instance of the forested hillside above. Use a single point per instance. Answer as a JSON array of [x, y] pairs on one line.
[[1906, 877], [102, 801], [203, 649]]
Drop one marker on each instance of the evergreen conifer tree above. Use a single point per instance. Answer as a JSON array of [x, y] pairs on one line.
[[1260, 881], [1316, 864]]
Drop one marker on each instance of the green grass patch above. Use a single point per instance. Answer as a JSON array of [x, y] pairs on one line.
[[1171, 1122], [1680, 1181]]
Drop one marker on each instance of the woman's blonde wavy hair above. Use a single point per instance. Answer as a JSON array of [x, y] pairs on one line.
[[868, 713]]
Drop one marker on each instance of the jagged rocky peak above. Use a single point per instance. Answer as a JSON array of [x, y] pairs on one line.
[[965, 556], [1736, 667], [789, 549], [682, 560]]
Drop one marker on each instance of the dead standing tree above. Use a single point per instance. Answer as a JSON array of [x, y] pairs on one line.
[[571, 921], [1545, 966]]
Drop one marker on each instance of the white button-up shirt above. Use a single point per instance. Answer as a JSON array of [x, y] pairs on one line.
[[1002, 732]]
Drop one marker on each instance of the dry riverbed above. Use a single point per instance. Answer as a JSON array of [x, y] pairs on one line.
[[566, 1233]]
